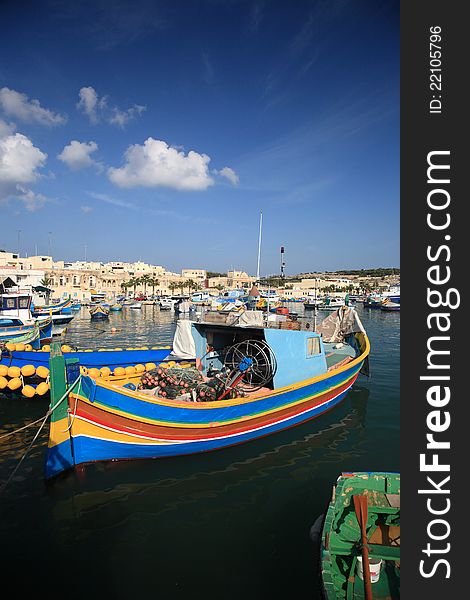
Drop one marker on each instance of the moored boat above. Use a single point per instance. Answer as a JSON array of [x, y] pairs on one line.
[[111, 358], [115, 307], [30, 336], [257, 380], [389, 305], [360, 536], [99, 312]]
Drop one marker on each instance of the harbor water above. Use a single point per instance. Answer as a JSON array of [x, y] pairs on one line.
[[229, 524]]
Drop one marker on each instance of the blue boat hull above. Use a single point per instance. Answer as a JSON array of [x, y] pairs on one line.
[[111, 359]]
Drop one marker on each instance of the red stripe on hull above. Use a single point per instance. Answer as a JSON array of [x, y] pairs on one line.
[[130, 426]]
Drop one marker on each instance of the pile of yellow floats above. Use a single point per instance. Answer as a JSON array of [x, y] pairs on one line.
[[130, 371], [46, 348], [26, 379]]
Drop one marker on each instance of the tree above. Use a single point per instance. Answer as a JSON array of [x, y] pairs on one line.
[[153, 282], [47, 281], [172, 287], [145, 280]]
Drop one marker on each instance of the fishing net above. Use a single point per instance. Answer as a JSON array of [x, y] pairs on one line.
[[176, 383]]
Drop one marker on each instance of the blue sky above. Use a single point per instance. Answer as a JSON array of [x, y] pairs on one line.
[[159, 130]]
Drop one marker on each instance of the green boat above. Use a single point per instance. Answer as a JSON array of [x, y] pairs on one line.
[[350, 539]]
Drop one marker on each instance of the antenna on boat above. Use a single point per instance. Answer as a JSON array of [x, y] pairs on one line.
[[283, 264], [259, 244]]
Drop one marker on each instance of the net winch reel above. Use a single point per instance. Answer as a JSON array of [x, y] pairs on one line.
[[249, 366]]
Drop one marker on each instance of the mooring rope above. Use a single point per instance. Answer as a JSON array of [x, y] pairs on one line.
[[43, 419]]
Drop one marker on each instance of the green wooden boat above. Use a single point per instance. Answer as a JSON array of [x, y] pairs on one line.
[[341, 547]]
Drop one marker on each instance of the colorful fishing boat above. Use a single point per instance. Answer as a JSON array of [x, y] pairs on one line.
[[389, 305], [30, 336], [16, 318], [111, 358], [99, 312], [48, 309], [115, 307], [266, 379], [360, 538]]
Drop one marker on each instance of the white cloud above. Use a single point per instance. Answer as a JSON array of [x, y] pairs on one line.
[[155, 164], [97, 109], [19, 106], [229, 174], [90, 103], [77, 155], [6, 128], [31, 200], [86, 209], [19, 164], [122, 117]]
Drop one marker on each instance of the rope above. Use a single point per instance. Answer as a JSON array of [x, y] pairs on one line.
[[44, 419], [50, 410]]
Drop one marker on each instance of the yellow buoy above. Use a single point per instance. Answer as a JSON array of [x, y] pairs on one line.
[[87, 350], [14, 371], [83, 370], [42, 372], [119, 372], [105, 371], [46, 348], [66, 348], [19, 347], [130, 371], [117, 349], [10, 346], [101, 349], [93, 372], [28, 348], [144, 348], [3, 370], [149, 366], [140, 368], [28, 370], [3, 382], [14, 384], [42, 388], [28, 391]]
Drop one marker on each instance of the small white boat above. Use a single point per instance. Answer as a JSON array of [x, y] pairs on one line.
[[168, 303], [331, 304], [135, 305]]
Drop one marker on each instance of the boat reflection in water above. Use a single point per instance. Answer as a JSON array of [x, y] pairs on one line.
[[235, 475]]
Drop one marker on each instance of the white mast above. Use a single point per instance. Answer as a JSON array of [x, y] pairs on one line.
[[259, 245]]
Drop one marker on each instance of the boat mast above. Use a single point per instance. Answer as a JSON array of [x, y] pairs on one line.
[[259, 245]]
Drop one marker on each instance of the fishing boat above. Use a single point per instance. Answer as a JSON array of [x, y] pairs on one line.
[[30, 336], [136, 305], [16, 318], [115, 307], [331, 303], [373, 301], [48, 309], [389, 305], [99, 312], [312, 304], [167, 303], [360, 538], [264, 379], [111, 358]]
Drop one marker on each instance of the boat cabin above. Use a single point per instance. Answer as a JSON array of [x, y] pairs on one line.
[[292, 355]]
